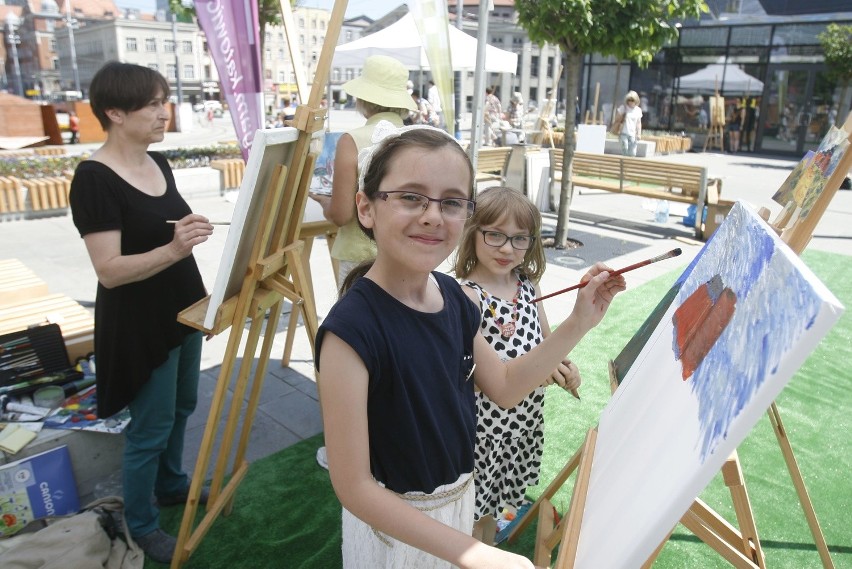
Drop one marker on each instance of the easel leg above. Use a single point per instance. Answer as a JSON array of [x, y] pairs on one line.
[[732, 473], [548, 493], [546, 524], [799, 483], [571, 538], [236, 406]]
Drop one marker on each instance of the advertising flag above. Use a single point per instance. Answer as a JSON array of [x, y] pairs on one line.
[[232, 30]]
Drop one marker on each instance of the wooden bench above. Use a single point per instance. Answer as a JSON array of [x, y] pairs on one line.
[[655, 179], [11, 196], [18, 283], [491, 163], [47, 194], [231, 172], [76, 323]]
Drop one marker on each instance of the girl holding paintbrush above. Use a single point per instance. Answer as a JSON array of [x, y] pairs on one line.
[[398, 356], [500, 261]]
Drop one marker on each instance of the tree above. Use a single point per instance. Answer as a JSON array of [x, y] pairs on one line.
[[626, 29], [269, 13], [836, 42]]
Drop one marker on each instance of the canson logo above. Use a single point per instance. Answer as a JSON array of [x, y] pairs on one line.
[[49, 508]]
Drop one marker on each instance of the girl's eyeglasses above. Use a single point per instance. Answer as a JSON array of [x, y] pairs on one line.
[[497, 239], [414, 204]]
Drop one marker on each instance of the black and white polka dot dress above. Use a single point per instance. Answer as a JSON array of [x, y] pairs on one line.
[[508, 441]]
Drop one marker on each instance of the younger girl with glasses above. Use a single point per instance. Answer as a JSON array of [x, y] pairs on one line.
[[500, 261], [398, 356]]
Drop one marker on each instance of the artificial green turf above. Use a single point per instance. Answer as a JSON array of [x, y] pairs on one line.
[[286, 514]]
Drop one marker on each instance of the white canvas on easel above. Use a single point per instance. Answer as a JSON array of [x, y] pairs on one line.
[[668, 429], [271, 147]]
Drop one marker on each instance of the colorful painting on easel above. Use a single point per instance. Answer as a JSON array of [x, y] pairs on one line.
[[701, 372], [807, 180]]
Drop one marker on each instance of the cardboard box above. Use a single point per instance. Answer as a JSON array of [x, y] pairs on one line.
[[716, 214]]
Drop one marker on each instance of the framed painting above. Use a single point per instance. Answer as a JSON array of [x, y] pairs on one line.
[[699, 374], [809, 178]]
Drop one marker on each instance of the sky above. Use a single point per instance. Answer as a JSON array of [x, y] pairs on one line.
[[374, 9]]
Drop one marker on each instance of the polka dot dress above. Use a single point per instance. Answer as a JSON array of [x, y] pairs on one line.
[[508, 441]]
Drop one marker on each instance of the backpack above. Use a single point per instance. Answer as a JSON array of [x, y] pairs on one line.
[[95, 538]]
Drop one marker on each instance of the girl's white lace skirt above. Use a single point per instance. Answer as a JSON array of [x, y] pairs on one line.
[[365, 548]]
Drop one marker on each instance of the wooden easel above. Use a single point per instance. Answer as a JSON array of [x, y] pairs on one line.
[[275, 271], [716, 134], [742, 547], [567, 530]]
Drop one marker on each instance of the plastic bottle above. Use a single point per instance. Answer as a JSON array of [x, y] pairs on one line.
[[661, 214]]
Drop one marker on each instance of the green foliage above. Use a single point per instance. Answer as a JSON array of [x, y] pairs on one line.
[[269, 11], [627, 29], [836, 42], [56, 166]]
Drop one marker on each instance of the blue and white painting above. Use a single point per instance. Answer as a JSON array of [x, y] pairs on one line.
[[746, 314]]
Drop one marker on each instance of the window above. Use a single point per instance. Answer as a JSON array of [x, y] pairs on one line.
[[280, 36], [348, 35], [169, 46], [301, 22], [301, 40], [267, 74], [55, 64], [186, 46], [335, 74], [50, 25], [204, 47], [281, 77], [150, 45], [189, 71], [53, 44], [280, 54], [131, 44], [170, 71], [350, 73], [208, 73], [313, 40], [268, 54]]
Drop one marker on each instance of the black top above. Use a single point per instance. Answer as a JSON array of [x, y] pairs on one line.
[[421, 408], [135, 324]]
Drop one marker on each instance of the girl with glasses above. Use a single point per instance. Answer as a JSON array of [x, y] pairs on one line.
[[398, 356], [500, 261]]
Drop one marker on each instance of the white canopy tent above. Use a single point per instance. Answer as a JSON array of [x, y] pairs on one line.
[[402, 41], [724, 78]]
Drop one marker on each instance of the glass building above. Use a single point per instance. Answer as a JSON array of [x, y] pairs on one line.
[[771, 66]]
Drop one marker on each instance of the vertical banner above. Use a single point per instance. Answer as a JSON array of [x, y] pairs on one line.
[[233, 37], [434, 27]]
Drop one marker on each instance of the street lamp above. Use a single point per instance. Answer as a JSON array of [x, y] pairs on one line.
[[71, 23], [12, 23]]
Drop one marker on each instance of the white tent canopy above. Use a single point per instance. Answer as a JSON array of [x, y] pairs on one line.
[[726, 78], [402, 41]]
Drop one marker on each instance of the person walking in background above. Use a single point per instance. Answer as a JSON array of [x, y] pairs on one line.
[[397, 358], [435, 100], [500, 261], [424, 114], [123, 199], [735, 122], [493, 116], [73, 127], [515, 110], [381, 96], [628, 124]]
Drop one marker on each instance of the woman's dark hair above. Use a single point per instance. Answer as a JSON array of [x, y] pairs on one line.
[[124, 86], [425, 138]]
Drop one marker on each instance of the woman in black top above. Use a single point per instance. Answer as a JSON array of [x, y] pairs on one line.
[[140, 233]]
